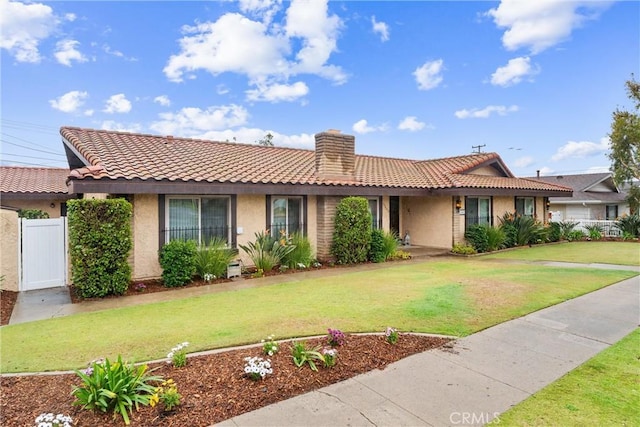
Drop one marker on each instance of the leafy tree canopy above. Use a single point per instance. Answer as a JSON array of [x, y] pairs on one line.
[[625, 138]]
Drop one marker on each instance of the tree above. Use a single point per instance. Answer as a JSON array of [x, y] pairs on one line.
[[267, 141], [625, 144]]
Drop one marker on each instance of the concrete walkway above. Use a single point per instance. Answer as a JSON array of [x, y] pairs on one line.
[[481, 377]]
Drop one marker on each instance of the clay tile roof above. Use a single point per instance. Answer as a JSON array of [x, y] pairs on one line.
[[121, 155], [33, 180]]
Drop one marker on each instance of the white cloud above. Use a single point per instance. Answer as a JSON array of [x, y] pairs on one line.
[[513, 73], [487, 111], [428, 75], [117, 104], [541, 24], [108, 50], [24, 26], [192, 121], [380, 28], [581, 149], [70, 17], [599, 169], [252, 135], [221, 89], [362, 126], [88, 113], [121, 127], [411, 124], [162, 100], [278, 92], [66, 51], [262, 51], [523, 162], [264, 9], [546, 171], [70, 102]]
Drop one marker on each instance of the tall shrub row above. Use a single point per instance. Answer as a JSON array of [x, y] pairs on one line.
[[99, 243]]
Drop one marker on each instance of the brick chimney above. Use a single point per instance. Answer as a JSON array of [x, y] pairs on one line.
[[335, 156]]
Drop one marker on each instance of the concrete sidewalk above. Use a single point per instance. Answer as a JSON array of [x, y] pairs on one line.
[[484, 375]]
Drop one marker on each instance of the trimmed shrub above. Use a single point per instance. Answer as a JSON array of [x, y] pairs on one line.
[[476, 235], [301, 255], [213, 258], [178, 262], [352, 231], [376, 249], [99, 243]]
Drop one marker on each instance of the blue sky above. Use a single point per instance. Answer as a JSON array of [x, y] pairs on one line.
[[536, 82]]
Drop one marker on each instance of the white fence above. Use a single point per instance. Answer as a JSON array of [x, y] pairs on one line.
[[43, 253], [607, 226]]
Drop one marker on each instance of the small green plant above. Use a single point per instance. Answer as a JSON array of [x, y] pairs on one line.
[[301, 355], [269, 346], [211, 260], [495, 238], [178, 355], [566, 227], [256, 368], [462, 249], [335, 337], [554, 232], [50, 420], [177, 259], [594, 231], [330, 356], [114, 387], [391, 334], [629, 224], [266, 251], [576, 235], [302, 255], [390, 244], [167, 394]]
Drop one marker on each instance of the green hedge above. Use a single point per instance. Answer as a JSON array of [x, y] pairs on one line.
[[99, 244], [352, 231], [178, 262]]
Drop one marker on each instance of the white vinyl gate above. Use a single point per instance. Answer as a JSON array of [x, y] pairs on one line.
[[43, 251]]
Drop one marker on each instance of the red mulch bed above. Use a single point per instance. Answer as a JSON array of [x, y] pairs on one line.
[[213, 387], [7, 301]]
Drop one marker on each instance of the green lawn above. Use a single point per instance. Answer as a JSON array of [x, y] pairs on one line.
[[456, 297], [605, 391], [621, 253]]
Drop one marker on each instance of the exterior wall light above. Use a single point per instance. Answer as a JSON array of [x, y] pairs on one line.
[[458, 204]]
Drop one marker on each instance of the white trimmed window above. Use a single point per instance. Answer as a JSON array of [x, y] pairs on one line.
[[198, 218], [374, 209]]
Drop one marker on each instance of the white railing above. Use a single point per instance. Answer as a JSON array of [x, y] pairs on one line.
[[607, 226]]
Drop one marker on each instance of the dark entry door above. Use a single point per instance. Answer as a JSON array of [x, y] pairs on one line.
[[394, 214]]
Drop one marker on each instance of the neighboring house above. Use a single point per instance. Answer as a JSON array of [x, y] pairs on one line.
[[595, 197], [34, 188], [188, 188]]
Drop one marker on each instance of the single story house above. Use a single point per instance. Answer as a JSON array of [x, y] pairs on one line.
[[595, 197], [191, 188], [34, 188]]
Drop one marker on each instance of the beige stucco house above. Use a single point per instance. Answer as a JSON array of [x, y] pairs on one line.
[[192, 188]]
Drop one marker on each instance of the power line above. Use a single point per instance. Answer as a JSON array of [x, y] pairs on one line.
[[16, 124], [23, 163], [33, 157], [24, 140], [33, 149]]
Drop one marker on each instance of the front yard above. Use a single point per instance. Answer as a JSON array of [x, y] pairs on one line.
[[451, 296]]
